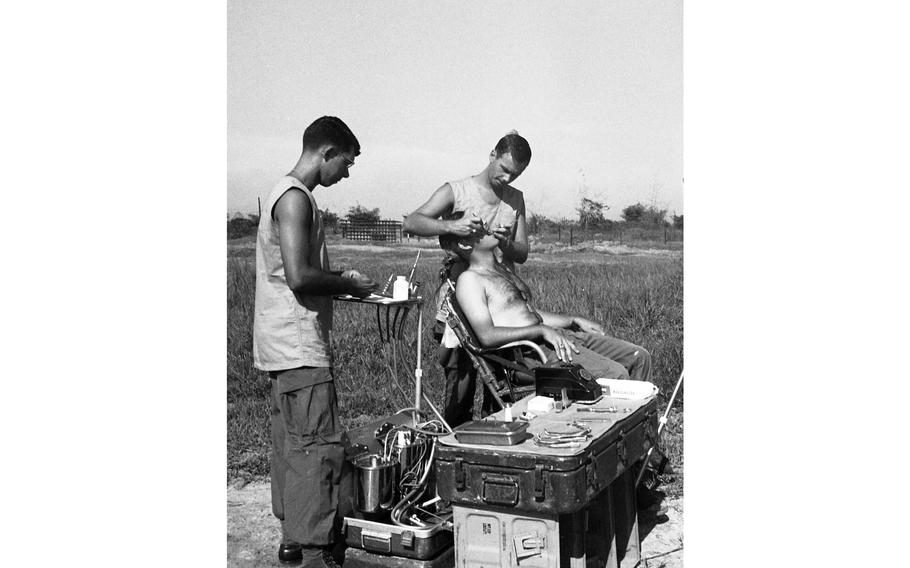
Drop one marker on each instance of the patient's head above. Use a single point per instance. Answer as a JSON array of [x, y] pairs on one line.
[[465, 246], [462, 246]]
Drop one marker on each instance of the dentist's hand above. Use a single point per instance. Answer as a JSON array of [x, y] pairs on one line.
[[468, 225], [362, 284], [503, 233]]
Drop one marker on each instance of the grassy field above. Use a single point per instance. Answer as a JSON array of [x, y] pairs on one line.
[[637, 296]]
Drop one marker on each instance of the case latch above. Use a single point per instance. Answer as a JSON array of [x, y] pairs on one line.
[[621, 448], [459, 474], [528, 545], [539, 482], [591, 474]]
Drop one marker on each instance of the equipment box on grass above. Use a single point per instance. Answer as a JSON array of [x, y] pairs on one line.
[[552, 480], [410, 542], [603, 534]]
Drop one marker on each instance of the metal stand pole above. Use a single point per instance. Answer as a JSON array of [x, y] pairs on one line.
[[660, 426], [418, 372]]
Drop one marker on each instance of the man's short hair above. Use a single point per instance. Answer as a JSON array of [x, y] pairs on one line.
[[330, 130], [515, 144]]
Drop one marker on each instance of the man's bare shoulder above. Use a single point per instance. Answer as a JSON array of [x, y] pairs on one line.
[[472, 278], [291, 203]]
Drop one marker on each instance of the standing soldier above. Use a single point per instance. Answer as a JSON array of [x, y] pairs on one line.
[[462, 208], [292, 341]]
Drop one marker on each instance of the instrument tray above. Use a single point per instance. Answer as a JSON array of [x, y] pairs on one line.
[[492, 432]]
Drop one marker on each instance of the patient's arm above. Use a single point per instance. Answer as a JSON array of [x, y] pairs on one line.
[[556, 320], [471, 293], [571, 322]]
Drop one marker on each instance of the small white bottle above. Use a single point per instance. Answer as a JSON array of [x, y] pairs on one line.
[[400, 288], [507, 413]]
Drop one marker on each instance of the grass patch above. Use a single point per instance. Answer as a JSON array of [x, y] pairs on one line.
[[637, 298]]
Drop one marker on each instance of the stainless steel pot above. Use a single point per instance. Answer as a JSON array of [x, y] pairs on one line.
[[376, 481]]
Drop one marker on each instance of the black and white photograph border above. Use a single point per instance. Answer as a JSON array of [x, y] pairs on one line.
[[795, 124], [596, 90]]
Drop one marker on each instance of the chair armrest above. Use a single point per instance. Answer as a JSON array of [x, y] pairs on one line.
[[522, 343]]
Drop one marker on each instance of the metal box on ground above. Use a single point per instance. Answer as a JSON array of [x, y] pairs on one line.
[[602, 534], [357, 558], [529, 478], [487, 538], [385, 538]]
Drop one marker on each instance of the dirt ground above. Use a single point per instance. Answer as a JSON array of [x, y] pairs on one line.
[[253, 533]]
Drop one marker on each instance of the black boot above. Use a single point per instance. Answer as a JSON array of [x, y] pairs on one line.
[[290, 553]]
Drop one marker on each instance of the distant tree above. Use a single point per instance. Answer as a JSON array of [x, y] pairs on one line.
[[329, 219], [642, 215], [655, 217], [591, 213], [533, 223], [633, 213], [677, 221], [537, 223], [360, 214], [242, 226]]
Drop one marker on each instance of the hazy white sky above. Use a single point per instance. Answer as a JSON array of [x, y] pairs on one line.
[[429, 87]]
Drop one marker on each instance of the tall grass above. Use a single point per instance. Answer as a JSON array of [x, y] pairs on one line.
[[638, 298]]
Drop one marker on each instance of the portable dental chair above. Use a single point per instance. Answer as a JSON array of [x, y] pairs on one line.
[[506, 371]]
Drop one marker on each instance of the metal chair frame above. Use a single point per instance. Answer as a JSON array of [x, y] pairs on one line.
[[504, 370]]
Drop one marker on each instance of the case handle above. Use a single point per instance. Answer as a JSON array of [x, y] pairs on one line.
[[373, 540], [499, 489]]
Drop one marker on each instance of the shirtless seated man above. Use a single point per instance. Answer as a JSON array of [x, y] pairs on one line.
[[498, 307]]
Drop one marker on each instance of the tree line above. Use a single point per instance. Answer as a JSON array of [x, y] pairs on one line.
[[240, 225], [591, 216]]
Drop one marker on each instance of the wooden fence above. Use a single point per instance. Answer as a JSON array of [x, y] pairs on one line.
[[573, 234], [382, 230]]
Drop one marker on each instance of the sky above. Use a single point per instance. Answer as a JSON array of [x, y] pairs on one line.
[[429, 87]]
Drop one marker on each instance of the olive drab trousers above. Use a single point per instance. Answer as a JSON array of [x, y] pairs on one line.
[[312, 484]]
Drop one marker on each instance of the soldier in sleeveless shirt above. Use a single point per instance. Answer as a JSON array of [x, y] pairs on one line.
[[311, 486], [484, 201]]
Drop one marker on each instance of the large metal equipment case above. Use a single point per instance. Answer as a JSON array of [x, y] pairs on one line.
[[529, 478]]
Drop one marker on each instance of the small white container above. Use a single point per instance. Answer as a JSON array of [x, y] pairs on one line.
[[400, 288], [541, 404], [627, 389]]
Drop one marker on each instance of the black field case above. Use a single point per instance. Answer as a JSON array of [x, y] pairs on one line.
[[541, 482], [386, 538]]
